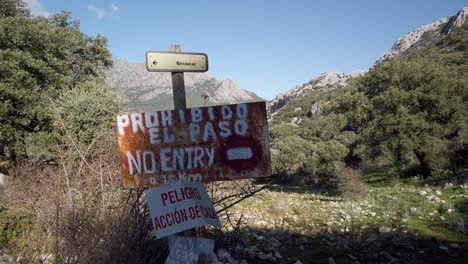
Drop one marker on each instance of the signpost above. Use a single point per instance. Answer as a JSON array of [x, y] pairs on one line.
[[177, 150]]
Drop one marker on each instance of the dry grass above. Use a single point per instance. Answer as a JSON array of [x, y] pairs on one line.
[[78, 210]]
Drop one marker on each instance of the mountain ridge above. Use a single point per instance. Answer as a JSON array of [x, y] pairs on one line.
[[324, 81], [404, 44], [143, 90], [418, 36]]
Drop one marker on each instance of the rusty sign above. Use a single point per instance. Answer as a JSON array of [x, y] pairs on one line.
[[226, 142]]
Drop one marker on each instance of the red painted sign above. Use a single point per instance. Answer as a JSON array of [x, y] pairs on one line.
[[226, 142]]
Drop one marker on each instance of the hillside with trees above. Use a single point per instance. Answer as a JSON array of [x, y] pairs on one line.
[[408, 114], [369, 167]]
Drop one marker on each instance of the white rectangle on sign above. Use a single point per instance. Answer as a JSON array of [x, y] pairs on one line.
[[239, 153], [163, 61], [180, 206]]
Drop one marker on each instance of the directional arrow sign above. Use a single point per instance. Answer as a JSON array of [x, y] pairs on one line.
[[162, 61]]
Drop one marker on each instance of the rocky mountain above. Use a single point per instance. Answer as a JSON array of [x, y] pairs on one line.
[[323, 82], [420, 36], [405, 44], [145, 90]]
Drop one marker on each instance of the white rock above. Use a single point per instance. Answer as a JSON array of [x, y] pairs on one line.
[[422, 193], [438, 192], [384, 229], [331, 260], [448, 186], [444, 248], [260, 237], [2, 179], [224, 256], [278, 255]]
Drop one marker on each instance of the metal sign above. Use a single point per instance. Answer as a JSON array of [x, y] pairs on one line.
[[179, 206], [226, 142], [163, 61]]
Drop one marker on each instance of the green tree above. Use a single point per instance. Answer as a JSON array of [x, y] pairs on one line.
[[290, 153], [40, 58], [418, 106], [86, 113]]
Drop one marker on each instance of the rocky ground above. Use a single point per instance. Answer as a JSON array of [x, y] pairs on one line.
[[406, 222]]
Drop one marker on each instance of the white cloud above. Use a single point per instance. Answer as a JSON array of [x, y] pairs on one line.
[[36, 8], [100, 13]]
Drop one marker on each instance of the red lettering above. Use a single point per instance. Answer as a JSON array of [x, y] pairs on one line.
[[197, 210], [205, 211], [192, 213], [171, 197], [161, 219], [197, 194], [164, 198], [168, 216], [156, 223], [183, 193], [189, 194], [176, 216], [177, 197]]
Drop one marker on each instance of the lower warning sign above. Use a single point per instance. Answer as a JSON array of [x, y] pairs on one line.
[[180, 206]]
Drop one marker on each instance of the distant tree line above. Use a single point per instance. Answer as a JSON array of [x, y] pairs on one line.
[[408, 114]]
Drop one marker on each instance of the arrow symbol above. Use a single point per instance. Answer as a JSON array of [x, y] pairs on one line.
[[155, 62]]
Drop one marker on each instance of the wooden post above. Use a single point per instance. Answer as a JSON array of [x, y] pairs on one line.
[[178, 85], [178, 90]]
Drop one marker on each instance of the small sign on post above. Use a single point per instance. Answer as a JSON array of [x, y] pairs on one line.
[[183, 147], [180, 206], [166, 61]]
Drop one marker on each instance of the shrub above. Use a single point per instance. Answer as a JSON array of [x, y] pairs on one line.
[[349, 182], [78, 212]]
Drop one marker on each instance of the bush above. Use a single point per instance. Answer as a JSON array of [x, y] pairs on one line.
[[350, 183], [78, 212], [86, 112]]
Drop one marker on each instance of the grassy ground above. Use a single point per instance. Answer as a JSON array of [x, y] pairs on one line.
[[402, 221]]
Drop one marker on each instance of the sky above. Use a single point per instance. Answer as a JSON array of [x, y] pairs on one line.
[[265, 46]]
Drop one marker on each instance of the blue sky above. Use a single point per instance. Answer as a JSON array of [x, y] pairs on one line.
[[265, 46]]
